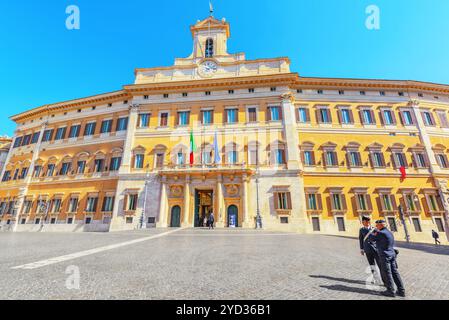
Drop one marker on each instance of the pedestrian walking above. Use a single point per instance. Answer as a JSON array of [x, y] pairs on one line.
[[368, 247], [211, 220], [388, 263], [436, 237]]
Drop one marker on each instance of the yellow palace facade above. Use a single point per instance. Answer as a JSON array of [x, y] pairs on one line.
[[310, 155]]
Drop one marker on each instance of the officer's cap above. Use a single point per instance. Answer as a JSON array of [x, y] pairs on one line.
[[365, 218], [380, 221]]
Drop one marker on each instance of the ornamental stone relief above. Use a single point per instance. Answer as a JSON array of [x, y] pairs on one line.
[[232, 190], [176, 191]]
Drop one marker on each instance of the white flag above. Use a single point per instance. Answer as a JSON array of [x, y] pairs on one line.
[[211, 8]]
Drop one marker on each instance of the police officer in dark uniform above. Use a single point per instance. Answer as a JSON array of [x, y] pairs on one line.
[[387, 256], [368, 246]]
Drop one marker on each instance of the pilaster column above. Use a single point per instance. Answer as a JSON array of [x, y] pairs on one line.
[[245, 199], [187, 202], [130, 136], [220, 211], [163, 204], [290, 131]]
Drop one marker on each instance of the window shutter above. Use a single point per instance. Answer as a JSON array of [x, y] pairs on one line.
[[319, 202], [177, 119], [297, 115], [202, 117], [281, 114], [343, 202], [313, 157], [289, 201], [269, 114], [443, 119], [226, 116], [276, 200], [318, 116], [340, 117], [401, 117], [414, 160], [371, 159], [125, 202], [212, 115], [357, 204], [393, 202], [335, 158], [394, 161], [331, 196], [362, 121], [303, 158], [373, 118], [236, 115], [369, 204], [348, 160], [307, 114], [381, 117], [393, 117], [329, 115]]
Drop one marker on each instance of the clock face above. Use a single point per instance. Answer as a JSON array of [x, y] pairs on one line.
[[208, 68]]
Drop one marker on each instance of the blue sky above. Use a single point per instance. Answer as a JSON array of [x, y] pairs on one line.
[[42, 62]]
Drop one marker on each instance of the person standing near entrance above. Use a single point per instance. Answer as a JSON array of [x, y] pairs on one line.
[[368, 246], [211, 220], [388, 264], [436, 237]]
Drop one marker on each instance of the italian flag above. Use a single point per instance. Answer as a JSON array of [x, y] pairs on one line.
[[192, 148]]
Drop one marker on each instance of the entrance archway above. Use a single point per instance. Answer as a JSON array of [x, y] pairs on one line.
[[175, 217], [233, 216]]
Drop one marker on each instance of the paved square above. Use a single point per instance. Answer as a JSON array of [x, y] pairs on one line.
[[202, 264]]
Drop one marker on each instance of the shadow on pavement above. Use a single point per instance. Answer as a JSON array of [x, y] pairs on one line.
[[338, 279], [339, 287]]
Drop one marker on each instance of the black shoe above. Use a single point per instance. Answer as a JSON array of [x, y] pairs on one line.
[[388, 294], [401, 294]]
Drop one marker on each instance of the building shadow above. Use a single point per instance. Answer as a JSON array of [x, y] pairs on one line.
[[338, 279]]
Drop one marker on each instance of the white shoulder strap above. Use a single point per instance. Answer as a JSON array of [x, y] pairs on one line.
[[368, 234]]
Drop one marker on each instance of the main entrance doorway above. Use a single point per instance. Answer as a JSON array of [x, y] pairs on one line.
[[204, 206], [233, 217], [175, 221]]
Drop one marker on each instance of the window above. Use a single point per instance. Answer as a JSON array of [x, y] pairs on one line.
[[254, 156], [251, 90], [362, 93], [108, 204], [316, 224], [138, 161], [16, 174], [417, 224], [232, 157], [37, 171], [88, 220], [377, 159], [159, 160], [392, 224], [80, 167], [74, 131], [309, 158], [115, 163], [232, 115], [442, 160], [407, 118], [428, 118], [60, 133], [144, 120], [26, 140], [207, 116], [23, 173], [35, 138], [439, 224], [164, 119], [207, 93], [324, 115], [53, 221], [73, 205], [56, 205], [399, 160], [165, 95], [132, 202], [6, 176], [273, 89], [444, 123], [98, 165], [341, 92], [279, 156], [180, 159], [70, 221], [312, 202], [338, 202], [303, 115], [361, 202], [129, 220], [27, 205], [355, 160], [346, 116], [231, 91], [388, 202], [18, 142], [106, 126], [284, 220], [185, 94], [411, 203], [319, 91], [388, 117], [122, 124], [209, 48], [382, 93], [91, 205], [367, 117], [252, 115], [432, 202], [89, 130], [274, 114], [330, 159], [282, 201], [65, 168], [50, 170], [420, 160], [206, 157], [183, 118], [341, 224]]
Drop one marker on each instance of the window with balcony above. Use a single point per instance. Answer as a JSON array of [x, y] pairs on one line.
[[65, 168], [232, 157], [74, 131], [122, 124], [106, 126], [37, 171], [81, 167], [17, 142], [60, 133], [26, 140], [50, 170], [23, 173], [89, 130]]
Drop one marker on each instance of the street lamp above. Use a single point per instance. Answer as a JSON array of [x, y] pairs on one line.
[[44, 208], [401, 217], [142, 216], [258, 216]]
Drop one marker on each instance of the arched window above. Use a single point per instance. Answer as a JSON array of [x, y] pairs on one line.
[[209, 48]]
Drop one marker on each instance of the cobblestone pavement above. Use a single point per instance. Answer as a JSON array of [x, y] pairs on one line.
[[202, 264]]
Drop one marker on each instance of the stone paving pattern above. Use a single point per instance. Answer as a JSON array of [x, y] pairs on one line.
[[201, 264]]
